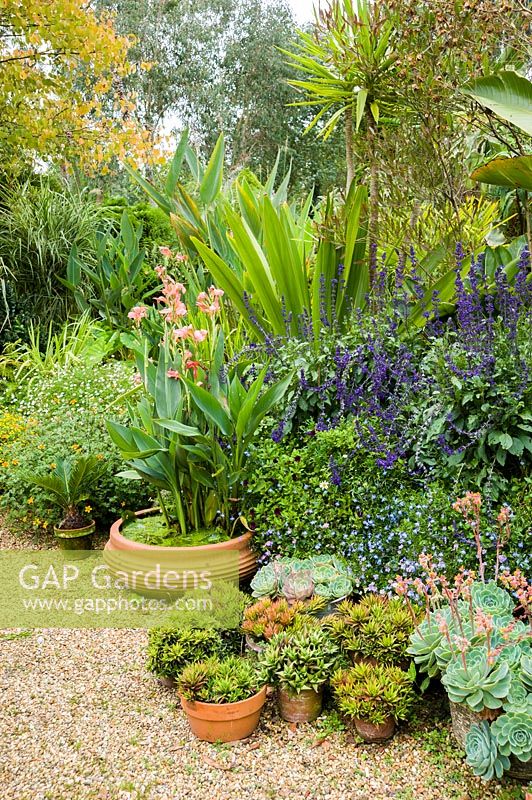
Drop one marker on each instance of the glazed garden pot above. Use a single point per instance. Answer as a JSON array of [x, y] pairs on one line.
[[224, 722], [375, 733], [302, 707], [464, 717], [120, 551], [75, 539]]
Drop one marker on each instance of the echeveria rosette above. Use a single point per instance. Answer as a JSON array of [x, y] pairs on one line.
[[518, 697], [264, 583], [513, 733], [525, 672], [479, 684], [482, 754], [424, 642], [492, 599]]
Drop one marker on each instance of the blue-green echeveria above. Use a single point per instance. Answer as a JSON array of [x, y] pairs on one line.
[[482, 754]]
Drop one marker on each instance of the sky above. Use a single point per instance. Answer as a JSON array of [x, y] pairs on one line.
[[302, 9]]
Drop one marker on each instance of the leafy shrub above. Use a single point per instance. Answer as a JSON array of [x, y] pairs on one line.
[[326, 495], [171, 649], [65, 415]]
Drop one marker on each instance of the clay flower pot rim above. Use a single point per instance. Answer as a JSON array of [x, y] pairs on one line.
[[201, 704], [70, 533], [115, 532]]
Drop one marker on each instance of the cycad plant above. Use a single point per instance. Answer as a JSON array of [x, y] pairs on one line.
[[68, 485]]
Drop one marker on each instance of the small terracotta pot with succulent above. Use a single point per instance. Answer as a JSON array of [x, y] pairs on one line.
[[299, 664], [68, 486], [222, 699], [374, 698]]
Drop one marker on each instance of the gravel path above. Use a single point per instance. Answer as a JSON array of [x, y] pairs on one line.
[[81, 719]]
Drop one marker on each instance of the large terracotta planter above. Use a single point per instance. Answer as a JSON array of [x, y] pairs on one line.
[[375, 733], [120, 552], [224, 722], [75, 538], [302, 707], [464, 717]]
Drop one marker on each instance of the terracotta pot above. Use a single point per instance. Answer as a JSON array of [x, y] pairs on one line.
[[224, 722], [119, 551], [168, 683], [303, 707], [375, 733], [519, 770], [463, 718], [76, 538], [356, 658]]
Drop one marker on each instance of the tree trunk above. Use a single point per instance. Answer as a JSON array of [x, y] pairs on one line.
[[373, 222], [349, 158]]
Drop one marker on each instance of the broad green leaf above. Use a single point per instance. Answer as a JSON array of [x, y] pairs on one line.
[[513, 172], [213, 177], [175, 166], [362, 96], [178, 427], [507, 94], [210, 407]]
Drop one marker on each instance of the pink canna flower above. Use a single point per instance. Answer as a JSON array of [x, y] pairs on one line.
[[166, 252], [200, 335], [173, 373], [138, 313], [182, 333]]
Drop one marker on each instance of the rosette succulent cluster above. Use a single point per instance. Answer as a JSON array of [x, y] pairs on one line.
[[299, 579], [473, 680]]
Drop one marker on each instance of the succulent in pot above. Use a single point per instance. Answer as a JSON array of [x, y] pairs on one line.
[[376, 630], [222, 698], [476, 634], [374, 697], [297, 579], [267, 617], [69, 485], [299, 664]]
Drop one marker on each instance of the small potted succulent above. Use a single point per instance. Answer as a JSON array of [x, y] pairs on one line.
[[475, 637], [299, 664], [267, 617], [375, 631], [69, 485], [374, 698], [171, 649], [297, 579], [222, 699]]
